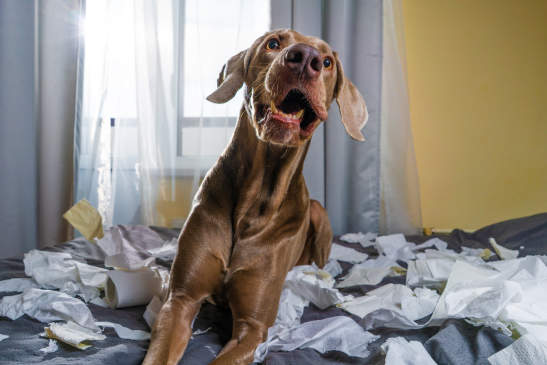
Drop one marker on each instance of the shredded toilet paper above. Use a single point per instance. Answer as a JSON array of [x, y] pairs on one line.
[[51, 347], [335, 333], [401, 352], [342, 253], [370, 272], [46, 306], [73, 334], [126, 333], [17, 285], [364, 239], [502, 252]]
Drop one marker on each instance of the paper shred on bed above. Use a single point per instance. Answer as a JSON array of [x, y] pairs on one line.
[[346, 254], [126, 333], [73, 334], [86, 219], [502, 252], [51, 347], [17, 285], [401, 352]]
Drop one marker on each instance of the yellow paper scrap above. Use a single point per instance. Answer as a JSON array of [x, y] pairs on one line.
[[86, 219]]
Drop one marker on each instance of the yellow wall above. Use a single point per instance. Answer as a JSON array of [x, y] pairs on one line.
[[477, 73]]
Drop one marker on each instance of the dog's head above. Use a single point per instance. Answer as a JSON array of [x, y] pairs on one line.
[[291, 80]]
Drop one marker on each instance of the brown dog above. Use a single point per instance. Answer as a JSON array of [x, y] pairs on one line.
[[252, 218]]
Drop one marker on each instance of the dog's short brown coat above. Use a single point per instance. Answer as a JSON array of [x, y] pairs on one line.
[[252, 219]]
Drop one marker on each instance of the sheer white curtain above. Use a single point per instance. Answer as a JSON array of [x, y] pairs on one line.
[[145, 135], [400, 192]]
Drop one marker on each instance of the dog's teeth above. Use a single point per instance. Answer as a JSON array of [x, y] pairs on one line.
[[299, 114]]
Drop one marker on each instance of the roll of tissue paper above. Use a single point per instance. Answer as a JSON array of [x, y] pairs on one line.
[[131, 288]]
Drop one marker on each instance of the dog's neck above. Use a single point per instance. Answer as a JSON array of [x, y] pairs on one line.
[[264, 170]]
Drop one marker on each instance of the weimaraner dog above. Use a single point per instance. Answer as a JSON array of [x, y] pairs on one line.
[[252, 219]]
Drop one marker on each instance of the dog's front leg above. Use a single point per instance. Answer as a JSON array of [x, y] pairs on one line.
[[204, 246]]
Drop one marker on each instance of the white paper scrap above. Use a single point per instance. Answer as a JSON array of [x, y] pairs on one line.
[[315, 285], [342, 253], [51, 347], [503, 253], [395, 246], [364, 239], [333, 268], [3, 337], [397, 302], [126, 333], [152, 310], [524, 351], [433, 242], [46, 306], [17, 284], [370, 272], [401, 352], [166, 251], [73, 334], [339, 333]]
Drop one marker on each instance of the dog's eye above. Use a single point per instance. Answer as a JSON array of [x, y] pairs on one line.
[[327, 63], [272, 44]]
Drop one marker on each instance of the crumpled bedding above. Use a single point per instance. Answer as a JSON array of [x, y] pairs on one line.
[[453, 342]]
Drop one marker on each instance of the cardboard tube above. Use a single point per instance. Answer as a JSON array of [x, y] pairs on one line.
[[131, 288]]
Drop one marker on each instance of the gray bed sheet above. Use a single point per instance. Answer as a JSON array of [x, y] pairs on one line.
[[454, 342]]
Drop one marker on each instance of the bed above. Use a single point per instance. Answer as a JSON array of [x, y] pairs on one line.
[[453, 342]]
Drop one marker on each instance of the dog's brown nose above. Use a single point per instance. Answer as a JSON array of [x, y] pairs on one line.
[[304, 60]]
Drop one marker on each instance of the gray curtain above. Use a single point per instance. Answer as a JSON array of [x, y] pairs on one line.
[[344, 175], [38, 41], [18, 137]]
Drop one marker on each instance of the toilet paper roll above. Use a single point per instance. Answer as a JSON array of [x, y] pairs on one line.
[[131, 288]]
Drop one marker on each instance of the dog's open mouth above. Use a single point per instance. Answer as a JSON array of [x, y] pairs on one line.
[[295, 109]]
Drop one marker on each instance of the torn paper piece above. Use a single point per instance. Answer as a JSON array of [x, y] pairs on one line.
[[370, 272], [433, 242], [474, 292], [331, 334], [3, 337], [52, 270], [100, 302], [17, 285], [167, 251], [131, 288], [46, 306], [401, 352], [314, 285], [502, 252], [90, 275], [365, 240], [152, 310], [346, 254], [130, 261], [395, 246], [126, 333], [483, 253], [51, 347], [333, 268], [399, 300], [87, 293], [73, 334], [86, 219], [524, 351]]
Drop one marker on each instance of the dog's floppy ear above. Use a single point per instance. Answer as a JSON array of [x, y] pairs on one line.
[[353, 109], [229, 80]]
